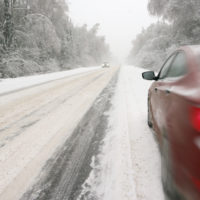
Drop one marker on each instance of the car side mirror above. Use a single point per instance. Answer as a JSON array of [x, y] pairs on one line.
[[150, 75]]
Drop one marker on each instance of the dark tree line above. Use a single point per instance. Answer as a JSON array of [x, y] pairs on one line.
[[179, 25], [40, 32]]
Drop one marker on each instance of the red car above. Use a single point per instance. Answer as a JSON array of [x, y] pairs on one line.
[[174, 115]]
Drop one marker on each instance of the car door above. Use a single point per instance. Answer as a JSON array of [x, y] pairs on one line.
[[155, 94], [172, 71]]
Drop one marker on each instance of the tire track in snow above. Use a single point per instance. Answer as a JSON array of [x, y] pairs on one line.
[[128, 166], [112, 174], [63, 175], [33, 115]]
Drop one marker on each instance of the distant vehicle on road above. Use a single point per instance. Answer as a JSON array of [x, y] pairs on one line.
[[174, 115], [105, 65]]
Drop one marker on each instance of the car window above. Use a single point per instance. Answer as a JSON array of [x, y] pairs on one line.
[[164, 71], [178, 67]]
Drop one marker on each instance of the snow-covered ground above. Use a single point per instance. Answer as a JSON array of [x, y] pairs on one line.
[[36, 122], [12, 84], [128, 167]]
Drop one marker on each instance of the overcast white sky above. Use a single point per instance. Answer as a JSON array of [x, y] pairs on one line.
[[120, 20]]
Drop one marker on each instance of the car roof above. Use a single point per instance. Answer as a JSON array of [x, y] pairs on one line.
[[194, 48]]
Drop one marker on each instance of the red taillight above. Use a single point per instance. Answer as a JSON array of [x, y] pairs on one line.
[[196, 182], [195, 118]]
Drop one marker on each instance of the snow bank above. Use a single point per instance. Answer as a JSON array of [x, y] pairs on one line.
[[144, 150], [12, 84], [128, 167]]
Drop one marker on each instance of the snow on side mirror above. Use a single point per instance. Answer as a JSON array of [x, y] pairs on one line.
[[150, 75]]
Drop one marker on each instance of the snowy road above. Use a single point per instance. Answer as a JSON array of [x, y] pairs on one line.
[[82, 137], [128, 164], [36, 121]]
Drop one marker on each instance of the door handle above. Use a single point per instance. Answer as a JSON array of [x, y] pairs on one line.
[[155, 89]]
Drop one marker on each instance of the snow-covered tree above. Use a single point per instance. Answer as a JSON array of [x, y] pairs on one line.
[[44, 31], [181, 26]]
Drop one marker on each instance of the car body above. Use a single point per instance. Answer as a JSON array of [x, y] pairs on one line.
[[174, 115], [105, 65]]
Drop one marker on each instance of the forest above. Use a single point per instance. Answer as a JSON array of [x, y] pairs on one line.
[[38, 37], [178, 25]]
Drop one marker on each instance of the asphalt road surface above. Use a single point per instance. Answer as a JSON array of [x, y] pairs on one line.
[[49, 133]]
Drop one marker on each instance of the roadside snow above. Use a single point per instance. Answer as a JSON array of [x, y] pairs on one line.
[[144, 150], [128, 167], [12, 84]]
